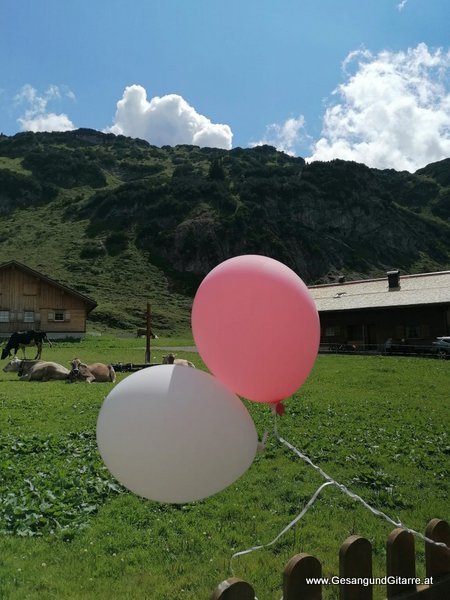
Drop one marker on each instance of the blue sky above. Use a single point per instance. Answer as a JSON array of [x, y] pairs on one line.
[[352, 79]]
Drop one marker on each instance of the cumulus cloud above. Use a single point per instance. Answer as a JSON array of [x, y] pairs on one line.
[[167, 120], [392, 112], [37, 117], [47, 122], [285, 136]]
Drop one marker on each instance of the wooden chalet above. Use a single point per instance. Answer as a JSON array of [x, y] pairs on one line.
[[31, 300], [412, 309]]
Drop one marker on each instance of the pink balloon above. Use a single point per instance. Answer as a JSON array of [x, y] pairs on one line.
[[256, 327]]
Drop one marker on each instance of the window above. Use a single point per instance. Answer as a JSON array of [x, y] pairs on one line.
[[28, 316], [59, 315], [332, 331], [412, 331], [4, 316]]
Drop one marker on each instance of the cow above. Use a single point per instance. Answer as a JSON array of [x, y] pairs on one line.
[[21, 339], [96, 372], [16, 365], [170, 359], [36, 370], [142, 332]]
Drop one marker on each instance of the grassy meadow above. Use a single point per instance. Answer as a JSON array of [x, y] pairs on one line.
[[69, 531]]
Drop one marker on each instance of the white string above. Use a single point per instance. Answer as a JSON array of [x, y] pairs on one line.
[[340, 486], [291, 524], [351, 494]]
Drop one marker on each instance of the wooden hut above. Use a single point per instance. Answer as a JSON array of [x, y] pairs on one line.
[[32, 300], [413, 309]]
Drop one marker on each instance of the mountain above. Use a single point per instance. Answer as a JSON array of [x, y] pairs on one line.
[[126, 222]]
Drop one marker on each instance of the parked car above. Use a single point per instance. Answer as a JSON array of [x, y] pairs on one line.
[[441, 346], [406, 346]]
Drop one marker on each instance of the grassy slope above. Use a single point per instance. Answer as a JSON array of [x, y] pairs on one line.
[[379, 425], [41, 239], [262, 206]]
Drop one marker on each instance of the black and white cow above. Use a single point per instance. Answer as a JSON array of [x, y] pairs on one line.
[[21, 339]]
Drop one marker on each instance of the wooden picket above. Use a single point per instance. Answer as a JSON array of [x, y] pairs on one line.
[[355, 562]]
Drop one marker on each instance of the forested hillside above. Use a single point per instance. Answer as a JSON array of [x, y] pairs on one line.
[[126, 222]]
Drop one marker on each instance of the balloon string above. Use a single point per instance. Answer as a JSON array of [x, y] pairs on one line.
[[291, 524], [351, 494], [342, 488]]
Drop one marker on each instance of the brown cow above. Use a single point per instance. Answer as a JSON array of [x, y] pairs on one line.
[[170, 359], [96, 372]]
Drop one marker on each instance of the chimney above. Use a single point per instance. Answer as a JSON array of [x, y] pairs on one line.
[[393, 280]]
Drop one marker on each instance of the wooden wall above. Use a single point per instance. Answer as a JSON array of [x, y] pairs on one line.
[[375, 326], [21, 291]]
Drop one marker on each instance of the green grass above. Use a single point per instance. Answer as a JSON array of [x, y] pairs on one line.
[[377, 424], [13, 164], [120, 284]]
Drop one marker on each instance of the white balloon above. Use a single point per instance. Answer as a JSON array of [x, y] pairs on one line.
[[174, 434]]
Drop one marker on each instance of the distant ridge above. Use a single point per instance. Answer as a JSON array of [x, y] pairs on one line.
[[125, 222]]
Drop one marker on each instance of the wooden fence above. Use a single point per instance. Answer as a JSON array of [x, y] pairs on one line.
[[355, 563]]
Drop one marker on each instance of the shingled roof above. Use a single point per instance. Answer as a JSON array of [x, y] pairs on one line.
[[420, 289]]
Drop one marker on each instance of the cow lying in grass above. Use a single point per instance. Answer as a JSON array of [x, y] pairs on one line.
[[170, 359], [18, 366], [36, 370], [96, 372]]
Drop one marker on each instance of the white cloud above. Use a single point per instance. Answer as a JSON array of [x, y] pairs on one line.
[[393, 112], [36, 116], [46, 122], [285, 136], [167, 120], [401, 5]]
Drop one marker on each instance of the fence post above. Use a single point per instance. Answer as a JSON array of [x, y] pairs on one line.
[[148, 317], [437, 559], [355, 562], [400, 561], [233, 589], [299, 568]]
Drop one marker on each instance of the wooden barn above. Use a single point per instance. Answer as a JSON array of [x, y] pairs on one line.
[[410, 309], [31, 300]]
